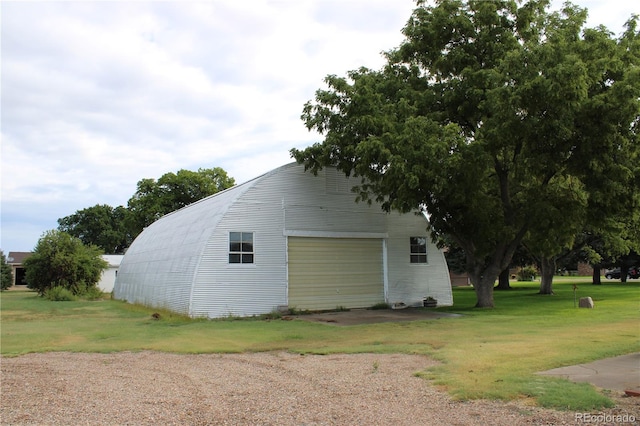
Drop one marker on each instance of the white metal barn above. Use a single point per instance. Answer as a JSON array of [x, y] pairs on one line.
[[284, 239]]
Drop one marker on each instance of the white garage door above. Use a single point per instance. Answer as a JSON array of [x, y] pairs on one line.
[[326, 273]]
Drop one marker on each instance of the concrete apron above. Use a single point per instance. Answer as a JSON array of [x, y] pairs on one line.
[[621, 373]]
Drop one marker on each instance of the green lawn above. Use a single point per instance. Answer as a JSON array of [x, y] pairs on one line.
[[485, 353]]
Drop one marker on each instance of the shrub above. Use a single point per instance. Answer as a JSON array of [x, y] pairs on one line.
[[92, 293], [59, 294], [60, 260], [527, 273]]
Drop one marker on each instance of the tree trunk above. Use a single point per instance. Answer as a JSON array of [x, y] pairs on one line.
[[483, 286], [596, 279], [624, 271], [484, 271], [484, 293], [503, 281], [547, 269]]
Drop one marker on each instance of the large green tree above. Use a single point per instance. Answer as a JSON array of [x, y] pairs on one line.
[[172, 191], [61, 260], [494, 117], [101, 225]]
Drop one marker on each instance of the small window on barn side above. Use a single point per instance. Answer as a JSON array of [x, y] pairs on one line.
[[241, 247], [418, 249]]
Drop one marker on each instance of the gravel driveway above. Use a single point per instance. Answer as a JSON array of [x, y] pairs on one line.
[[150, 388]]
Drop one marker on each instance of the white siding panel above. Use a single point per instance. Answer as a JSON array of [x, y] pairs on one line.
[[408, 282], [159, 268], [223, 289], [321, 204], [107, 279]]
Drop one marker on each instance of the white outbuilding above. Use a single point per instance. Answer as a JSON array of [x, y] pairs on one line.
[[108, 277], [286, 239]]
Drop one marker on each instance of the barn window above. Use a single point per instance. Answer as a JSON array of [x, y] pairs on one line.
[[240, 247], [418, 249]]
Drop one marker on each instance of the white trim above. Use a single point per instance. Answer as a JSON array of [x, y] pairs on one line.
[[286, 256], [330, 234], [385, 270], [241, 253]]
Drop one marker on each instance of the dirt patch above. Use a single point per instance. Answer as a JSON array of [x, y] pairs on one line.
[[373, 316]]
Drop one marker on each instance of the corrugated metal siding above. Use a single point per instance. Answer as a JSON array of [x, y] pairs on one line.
[[223, 289], [408, 282], [180, 262], [325, 273], [322, 204], [288, 199], [159, 267]]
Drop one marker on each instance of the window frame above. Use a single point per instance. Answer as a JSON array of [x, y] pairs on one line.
[[419, 257], [241, 252]]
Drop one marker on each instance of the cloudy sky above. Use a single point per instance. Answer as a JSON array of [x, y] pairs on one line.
[[96, 95]]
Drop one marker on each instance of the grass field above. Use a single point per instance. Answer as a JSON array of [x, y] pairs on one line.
[[485, 353]]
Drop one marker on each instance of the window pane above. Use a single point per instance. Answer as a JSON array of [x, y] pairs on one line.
[[240, 247], [418, 241], [418, 244], [418, 249]]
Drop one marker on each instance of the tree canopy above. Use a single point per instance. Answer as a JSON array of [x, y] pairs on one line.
[[172, 191], [101, 225], [503, 120], [60, 260], [114, 229]]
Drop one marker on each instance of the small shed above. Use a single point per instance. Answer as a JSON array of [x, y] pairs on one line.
[[108, 277], [286, 239]]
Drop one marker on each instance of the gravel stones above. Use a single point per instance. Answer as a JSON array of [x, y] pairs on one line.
[[151, 388]]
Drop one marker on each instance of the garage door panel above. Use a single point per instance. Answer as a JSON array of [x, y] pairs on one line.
[[325, 273]]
